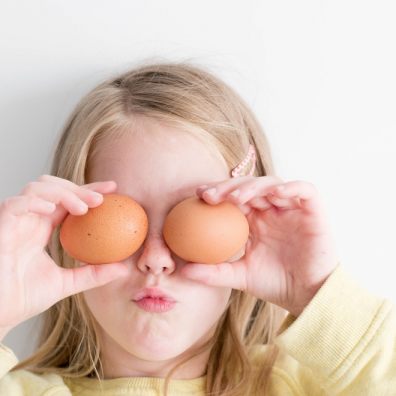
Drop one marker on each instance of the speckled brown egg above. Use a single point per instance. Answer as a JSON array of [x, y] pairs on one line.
[[107, 233], [200, 232]]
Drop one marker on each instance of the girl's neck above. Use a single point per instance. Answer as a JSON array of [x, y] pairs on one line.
[[120, 363]]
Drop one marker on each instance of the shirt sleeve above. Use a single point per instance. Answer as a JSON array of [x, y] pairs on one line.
[[346, 336], [7, 360], [23, 382]]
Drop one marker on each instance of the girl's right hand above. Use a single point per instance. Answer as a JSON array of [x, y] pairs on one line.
[[30, 281]]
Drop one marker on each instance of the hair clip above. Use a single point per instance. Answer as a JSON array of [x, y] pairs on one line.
[[249, 160]]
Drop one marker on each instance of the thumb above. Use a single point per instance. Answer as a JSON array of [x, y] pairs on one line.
[[88, 276], [221, 275]]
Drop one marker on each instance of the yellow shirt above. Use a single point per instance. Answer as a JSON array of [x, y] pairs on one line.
[[343, 343]]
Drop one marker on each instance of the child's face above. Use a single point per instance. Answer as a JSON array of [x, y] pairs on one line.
[[158, 166]]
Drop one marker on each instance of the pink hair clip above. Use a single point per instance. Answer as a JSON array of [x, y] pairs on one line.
[[249, 160]]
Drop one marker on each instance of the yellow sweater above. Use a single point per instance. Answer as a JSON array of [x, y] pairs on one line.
[[343, 344]]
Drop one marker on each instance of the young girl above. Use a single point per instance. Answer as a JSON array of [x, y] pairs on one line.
[[281, 318]]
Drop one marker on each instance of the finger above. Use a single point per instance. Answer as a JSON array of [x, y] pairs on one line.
[[58, 194], [245, 209], [239, 190], [76, 198], [20, 205], [232, 181], [259, 187], [221, 275], [306, 192], [76, 280], [96, 187], [217, 193], [86, 191], [103, 187], [106, 184], [284, 203], [223, 186], [260, 203], [229, 184]]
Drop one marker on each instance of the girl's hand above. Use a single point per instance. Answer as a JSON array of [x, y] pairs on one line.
[[30, 281], [290, 252]]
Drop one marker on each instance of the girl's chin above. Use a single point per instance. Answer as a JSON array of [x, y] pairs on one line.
[[154, 347], [155, 353]]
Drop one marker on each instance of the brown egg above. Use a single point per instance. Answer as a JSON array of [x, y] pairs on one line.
[[107, 233], [200, 232]]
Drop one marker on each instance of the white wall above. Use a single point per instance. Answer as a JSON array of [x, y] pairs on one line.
[[319, 74]]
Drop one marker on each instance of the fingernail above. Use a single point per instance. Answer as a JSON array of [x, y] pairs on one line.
[[51, 206], [111, 182], [82, 206], [200, 188], [236, 193], [211, 191], [98, 197]]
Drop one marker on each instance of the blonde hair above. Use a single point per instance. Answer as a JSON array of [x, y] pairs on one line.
[[190, 96]]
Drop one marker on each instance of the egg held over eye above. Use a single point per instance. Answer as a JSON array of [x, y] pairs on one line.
[[203, 233], [108, 233]]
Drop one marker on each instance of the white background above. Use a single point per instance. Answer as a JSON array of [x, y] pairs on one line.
[[319, 74]]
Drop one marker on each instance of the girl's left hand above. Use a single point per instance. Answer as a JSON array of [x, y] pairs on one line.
[[290, 251]]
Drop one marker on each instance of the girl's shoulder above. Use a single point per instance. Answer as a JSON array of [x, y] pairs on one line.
[[343, 342], [26, 382]]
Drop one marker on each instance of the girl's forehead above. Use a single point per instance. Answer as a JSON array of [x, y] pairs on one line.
[[147, 167]]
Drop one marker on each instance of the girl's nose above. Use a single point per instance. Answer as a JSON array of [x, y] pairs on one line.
[[156, 257]]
